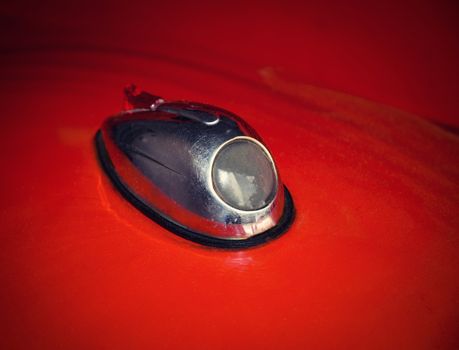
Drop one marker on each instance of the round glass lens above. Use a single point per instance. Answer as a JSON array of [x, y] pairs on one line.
[[244, 176]]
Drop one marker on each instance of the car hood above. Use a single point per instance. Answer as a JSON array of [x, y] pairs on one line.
[[371, 260]]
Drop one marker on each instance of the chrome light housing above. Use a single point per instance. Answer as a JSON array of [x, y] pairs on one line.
[[198, 170]]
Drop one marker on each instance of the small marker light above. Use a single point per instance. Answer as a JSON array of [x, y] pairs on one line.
[[244, 175], [195, 169]]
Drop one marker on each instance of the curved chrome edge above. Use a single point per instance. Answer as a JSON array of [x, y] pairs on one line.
[[284, 222]]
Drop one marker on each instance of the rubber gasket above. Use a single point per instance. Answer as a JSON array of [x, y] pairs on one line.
[[274, 232]]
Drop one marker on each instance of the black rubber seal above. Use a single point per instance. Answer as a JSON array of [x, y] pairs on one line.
[[274, 232]]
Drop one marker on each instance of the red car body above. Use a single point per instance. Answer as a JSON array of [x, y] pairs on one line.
[[371, 261]]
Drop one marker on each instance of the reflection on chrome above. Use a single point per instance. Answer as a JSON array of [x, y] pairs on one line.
[[196, 169]]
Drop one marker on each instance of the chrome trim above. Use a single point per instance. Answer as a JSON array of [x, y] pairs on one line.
[[165, 156]]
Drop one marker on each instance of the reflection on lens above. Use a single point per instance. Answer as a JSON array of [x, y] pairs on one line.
[[243, 175]]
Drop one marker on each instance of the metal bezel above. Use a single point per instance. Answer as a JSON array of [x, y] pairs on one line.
[[285, 221], [201, 212]]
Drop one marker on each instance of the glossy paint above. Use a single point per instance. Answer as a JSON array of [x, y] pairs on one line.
[[343, 95]]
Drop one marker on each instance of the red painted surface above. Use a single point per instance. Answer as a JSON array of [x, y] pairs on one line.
[[372, 260]]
